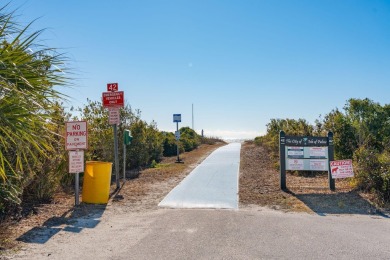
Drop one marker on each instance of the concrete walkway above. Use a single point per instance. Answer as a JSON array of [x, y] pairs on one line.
[[213, 184]]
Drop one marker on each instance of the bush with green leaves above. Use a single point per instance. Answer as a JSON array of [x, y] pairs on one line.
[[373, 172], [189, 139], [28, 104], [169, 144]]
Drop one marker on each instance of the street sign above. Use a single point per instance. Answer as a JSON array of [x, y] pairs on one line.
[[112, 87], [114, 116], [76, 161], [177, 135], [76, 136], [113, 99], [176, 118], [341, 169], [127, 137]]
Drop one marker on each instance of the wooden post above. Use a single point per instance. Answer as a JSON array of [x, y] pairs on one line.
[[332, 184], [282, 159]]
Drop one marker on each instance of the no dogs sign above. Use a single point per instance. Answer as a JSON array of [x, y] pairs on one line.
[[341, 169]]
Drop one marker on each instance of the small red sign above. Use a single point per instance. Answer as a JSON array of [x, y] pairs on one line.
[[113, 99], [112, 87]]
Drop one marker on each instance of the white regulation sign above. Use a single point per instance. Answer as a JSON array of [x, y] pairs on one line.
[[76, 161], [76, 136], [114, 116], [341, 169]]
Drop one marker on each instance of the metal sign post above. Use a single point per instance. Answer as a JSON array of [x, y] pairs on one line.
[[76, 137], [126, 141], [76, 165], [116, 156], [177, 119], [114, 100]]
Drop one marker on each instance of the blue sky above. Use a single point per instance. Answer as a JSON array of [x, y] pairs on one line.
[[240, 63]]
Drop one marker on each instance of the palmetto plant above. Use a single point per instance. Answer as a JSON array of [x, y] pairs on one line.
[[28, 74]]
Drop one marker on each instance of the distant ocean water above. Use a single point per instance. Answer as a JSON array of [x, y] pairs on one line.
[[235, 140]]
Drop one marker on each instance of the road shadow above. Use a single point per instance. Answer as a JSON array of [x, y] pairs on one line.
[[74, 220], [338, 203]]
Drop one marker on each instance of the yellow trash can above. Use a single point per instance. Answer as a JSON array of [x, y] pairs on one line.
[[97, 181]]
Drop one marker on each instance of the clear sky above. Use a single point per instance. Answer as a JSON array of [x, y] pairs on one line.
[[240, 63]]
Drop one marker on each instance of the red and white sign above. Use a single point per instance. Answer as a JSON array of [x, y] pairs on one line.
[[114, 116], [319, 165], [113, 99], [76, 161], [112, 87], [76, 136], [341, 169], [295, 165]]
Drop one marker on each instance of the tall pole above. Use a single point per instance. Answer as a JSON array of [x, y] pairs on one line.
[[192, 116], [177, 142], [76, 188], [116, 156], [124, 161]]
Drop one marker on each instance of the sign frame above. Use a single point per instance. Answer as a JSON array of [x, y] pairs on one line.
[[314, 160]]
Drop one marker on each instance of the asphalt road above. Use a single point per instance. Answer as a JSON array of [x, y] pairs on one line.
[[218, 234]]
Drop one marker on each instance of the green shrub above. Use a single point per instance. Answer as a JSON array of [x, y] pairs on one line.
[[169, 144], [372, 171], [189, 139]]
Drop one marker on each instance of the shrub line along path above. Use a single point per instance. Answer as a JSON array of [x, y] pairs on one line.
[[213, 184]]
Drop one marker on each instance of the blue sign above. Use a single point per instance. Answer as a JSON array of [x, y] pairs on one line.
[[176, 118]]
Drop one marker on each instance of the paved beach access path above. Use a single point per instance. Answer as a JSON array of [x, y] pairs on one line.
[[212, 184]]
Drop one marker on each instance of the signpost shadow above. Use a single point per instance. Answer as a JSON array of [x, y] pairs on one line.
[[75, 223], [338, 203]]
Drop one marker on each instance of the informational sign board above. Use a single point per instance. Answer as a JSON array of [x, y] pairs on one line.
[[314, 158], [295, 165], [177, 135], [305, 153], [76, 136], [112, 86], [318, 165], [113, 99], [176, 118], [341, 169], [76, 161], [318, 152], [295, 152], [306, 164], [114, 116]]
